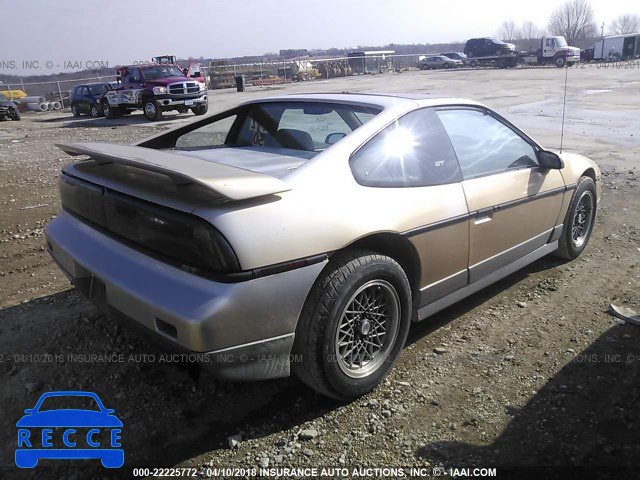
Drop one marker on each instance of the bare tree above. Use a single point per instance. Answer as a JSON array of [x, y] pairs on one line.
[[528, 35], [625, 24], [507, 31], [573, 20]]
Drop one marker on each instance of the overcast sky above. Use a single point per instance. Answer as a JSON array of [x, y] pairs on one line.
[[120, 32]]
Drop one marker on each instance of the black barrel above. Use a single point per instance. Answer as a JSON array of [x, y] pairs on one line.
[[240, 83]]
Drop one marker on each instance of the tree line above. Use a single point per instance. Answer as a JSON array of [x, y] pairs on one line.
[[574, 20]]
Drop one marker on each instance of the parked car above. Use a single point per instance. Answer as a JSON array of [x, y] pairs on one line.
[[87, 99], [587, 54], [314, 224], [457, 56], [440, 61], [486, 47], [8, 109]]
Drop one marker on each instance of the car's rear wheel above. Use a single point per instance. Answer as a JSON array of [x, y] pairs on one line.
[[75, 110], [579, 221], [353, 325], [108, 110]]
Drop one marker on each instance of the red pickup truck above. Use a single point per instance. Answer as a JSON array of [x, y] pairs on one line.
[[155, 88]]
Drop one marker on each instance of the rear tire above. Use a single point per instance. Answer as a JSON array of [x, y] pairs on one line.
[[353, 325], [579, 221], [75, 110], [108, 110]]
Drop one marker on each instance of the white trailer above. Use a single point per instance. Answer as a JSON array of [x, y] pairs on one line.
[[617, 47]]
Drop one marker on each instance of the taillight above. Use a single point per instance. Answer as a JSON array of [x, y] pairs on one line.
[[176, 235], [190, 241], [82, 198]]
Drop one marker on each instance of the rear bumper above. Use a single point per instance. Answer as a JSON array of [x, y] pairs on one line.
[[246, 328]]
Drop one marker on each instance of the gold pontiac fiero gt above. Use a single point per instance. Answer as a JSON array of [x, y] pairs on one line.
[[306, 232]]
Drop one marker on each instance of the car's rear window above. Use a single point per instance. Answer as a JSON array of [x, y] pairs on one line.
[[67, 402], [307, 126]]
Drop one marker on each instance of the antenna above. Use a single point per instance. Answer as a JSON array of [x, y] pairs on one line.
[[564, 104]]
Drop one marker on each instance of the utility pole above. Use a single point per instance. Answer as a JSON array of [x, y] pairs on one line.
[[602, 38]]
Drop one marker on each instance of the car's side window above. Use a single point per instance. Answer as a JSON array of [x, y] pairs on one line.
[[483, 144], [135, 75], [412, 152]]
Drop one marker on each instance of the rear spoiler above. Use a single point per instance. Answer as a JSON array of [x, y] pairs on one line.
[[231, 182]]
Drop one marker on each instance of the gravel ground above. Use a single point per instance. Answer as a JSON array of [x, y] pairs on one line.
[[531, 371]]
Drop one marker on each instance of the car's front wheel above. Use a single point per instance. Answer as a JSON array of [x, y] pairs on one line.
[[200, 109], [353, 325], [151, 109], [578, 223]]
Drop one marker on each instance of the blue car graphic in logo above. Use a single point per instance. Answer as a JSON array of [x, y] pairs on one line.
[[69, 433]]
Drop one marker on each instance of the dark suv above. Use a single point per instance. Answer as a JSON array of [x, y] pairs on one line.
[[486, 47], [87, 99], [8, 109]]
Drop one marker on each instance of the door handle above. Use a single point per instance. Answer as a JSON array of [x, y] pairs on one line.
[[484, 215]]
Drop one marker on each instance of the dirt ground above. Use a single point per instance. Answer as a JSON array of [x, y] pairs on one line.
[[532, 371]]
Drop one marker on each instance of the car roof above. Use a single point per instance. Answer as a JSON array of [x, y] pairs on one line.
[[91, 84], [374, 99]]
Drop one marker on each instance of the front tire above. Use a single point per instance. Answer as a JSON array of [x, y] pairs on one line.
[[579, 221], [200, 109], [15, 115], [560, 61], [151, 109], [95, 112], [353, 325]]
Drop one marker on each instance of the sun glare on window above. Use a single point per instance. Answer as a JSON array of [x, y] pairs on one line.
[[399, 142]]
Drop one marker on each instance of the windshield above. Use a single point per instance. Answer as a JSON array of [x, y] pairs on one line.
[[499, 42], [97, 89], [162, 71], [69, 402], [561, 42]]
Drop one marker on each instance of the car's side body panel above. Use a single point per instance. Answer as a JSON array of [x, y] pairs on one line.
[[510, 209]]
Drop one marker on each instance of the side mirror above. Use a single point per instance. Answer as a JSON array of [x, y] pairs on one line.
[[550, 160], [334, 138]]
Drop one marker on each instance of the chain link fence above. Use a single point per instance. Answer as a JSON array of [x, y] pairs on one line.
[[52, 91], [220, 74]]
